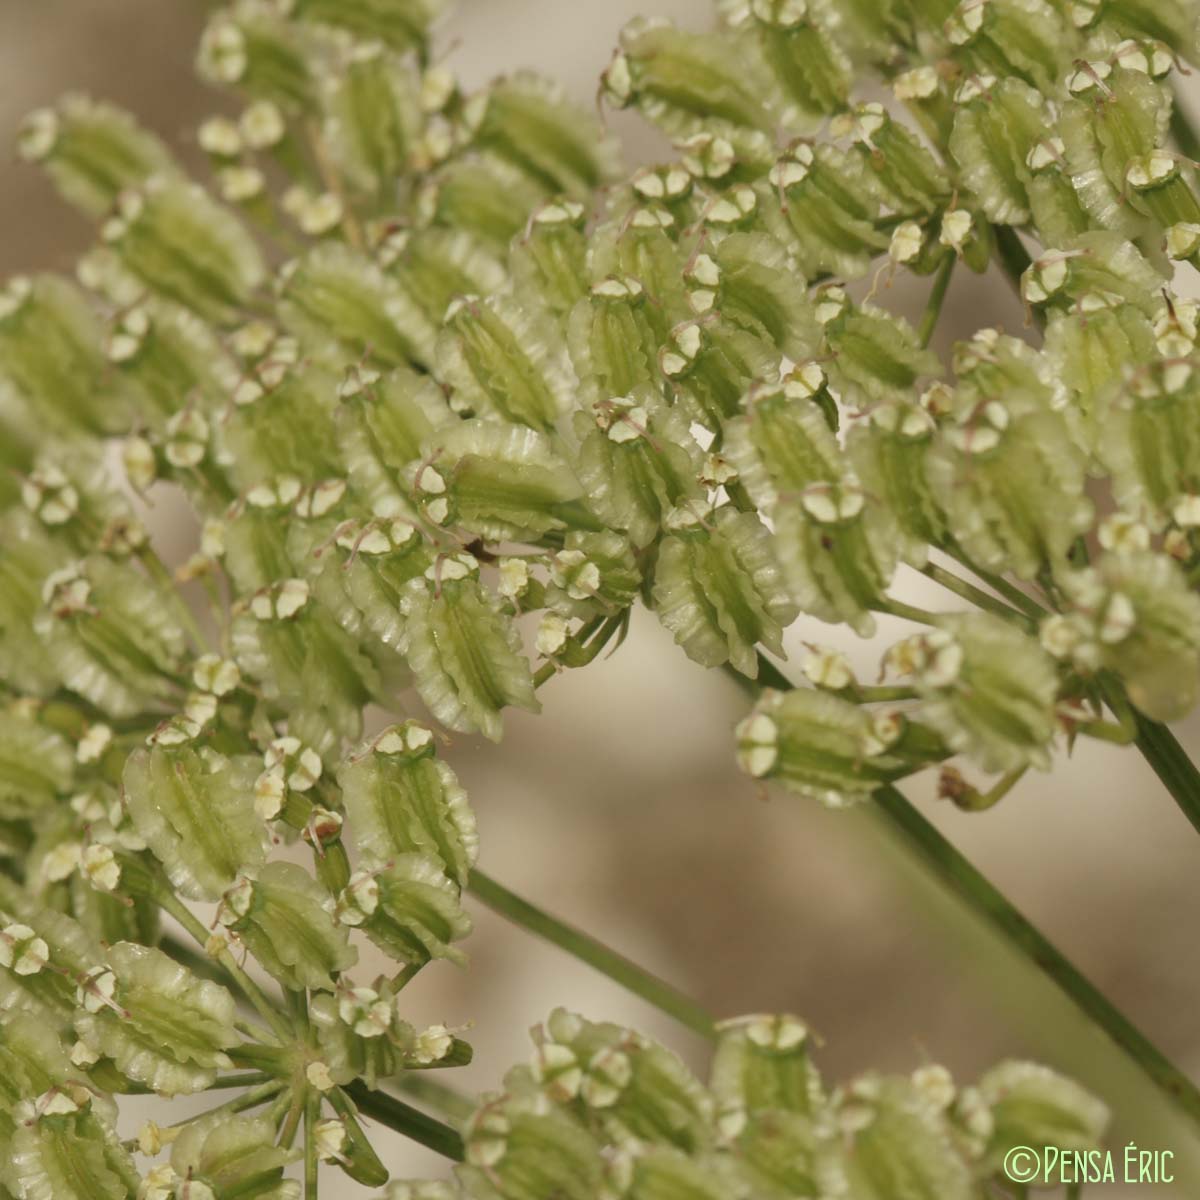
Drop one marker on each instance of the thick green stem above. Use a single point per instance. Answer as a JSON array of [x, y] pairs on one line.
[[405, 1119], [312, 1162], [1160, 748], [937, 298], [1170, 762], [587, 949], [987, 902], [287, 1135]]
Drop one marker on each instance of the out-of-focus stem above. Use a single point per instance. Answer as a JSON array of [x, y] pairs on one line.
[[945, 863], [451, 1105], [1009, 591], [974, 595], [957, 874], [909, 612], [587, 949]]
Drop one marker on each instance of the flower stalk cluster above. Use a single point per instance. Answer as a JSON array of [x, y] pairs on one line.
[[450, 392]]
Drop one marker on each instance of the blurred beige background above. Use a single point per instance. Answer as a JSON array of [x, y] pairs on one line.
[[620, 807]]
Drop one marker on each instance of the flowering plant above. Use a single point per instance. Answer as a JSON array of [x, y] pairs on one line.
[[449, 392]]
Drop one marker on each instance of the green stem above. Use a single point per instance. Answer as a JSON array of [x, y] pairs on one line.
[[974, 595], [287, 1135], [280, 1107], [297, 1006], [248, 1079], [937, 297], [955, 872], [312, 1164], [909, 612], [171, 905], [1160, 748], [1106, 731], [250, 1099], [769, 676], [407, 974], [1009, 591], [269, 1060], [1170, 762], [987, 902], [248, 1030], [405, 1119], [587, 949]]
